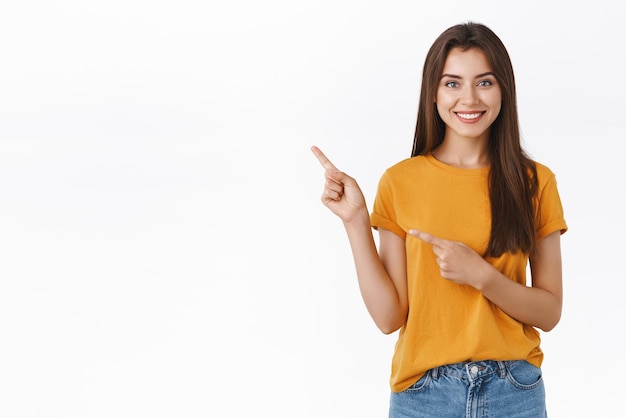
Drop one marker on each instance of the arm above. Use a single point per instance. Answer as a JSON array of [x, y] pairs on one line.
[[381, 277], [539, 305]]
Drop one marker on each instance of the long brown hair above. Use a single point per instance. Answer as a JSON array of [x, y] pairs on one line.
[[513, 175]]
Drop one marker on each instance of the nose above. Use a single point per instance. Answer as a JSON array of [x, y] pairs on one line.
[[470, 96]]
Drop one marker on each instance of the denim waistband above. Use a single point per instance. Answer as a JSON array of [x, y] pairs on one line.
[[472, 370]]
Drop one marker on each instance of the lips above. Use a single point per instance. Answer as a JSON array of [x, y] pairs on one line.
[[469, 116]]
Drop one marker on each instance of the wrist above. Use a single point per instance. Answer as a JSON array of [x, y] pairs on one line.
[[486, 276], [360, 217]]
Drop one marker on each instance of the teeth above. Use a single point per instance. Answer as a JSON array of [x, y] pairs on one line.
[[469, 115]]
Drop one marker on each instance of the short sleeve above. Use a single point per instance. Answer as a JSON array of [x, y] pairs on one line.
[[549, 215], [384, 213]]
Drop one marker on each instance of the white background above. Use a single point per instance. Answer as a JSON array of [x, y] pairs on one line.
[[163, 249]]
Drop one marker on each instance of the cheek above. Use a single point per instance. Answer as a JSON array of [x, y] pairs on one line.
[[439, 98], [496, 101], [442, 102], [496, 105], [498, 108], [446, 99], [441, 111]]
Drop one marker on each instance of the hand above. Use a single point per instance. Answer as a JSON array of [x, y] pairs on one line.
[[342, 195], [457, 262]]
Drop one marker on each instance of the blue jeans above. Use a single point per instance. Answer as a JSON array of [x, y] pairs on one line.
[[506, 389]]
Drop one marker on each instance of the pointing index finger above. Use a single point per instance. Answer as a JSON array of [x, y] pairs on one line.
[[426, 237], [323, 159]]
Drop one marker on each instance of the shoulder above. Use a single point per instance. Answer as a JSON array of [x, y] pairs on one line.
[[549, 208], [544, 174], [543, 170], [408, 164], [402, 172]]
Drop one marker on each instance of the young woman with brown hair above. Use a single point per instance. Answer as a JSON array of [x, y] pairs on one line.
[[458, 223]]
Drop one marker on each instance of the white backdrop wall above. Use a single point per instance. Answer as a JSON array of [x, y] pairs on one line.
[[163, 250]]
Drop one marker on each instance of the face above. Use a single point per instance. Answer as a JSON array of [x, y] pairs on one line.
[[468, 95]]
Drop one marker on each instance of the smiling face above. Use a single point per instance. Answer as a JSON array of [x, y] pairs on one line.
[[468, 95]]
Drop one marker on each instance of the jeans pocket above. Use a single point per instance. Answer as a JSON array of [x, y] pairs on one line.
[[421, 384], [524, 375]]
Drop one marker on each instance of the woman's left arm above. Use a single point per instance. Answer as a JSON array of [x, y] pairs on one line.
[[539, 305]]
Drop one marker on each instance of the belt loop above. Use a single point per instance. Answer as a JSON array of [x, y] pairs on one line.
[[434, 373], [501, 369]]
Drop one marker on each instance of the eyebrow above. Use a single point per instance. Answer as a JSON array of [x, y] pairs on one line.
[[459, 77]]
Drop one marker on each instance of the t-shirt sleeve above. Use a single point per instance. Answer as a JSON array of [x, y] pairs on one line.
[[550, 217], [384, 213]]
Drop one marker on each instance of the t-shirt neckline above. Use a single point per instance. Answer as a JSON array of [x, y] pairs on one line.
[[457, 171]]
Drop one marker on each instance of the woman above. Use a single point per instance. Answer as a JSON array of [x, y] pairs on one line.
[[458, 222]]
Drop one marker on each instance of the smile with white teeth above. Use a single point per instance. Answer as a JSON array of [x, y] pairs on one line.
[[469, 115]]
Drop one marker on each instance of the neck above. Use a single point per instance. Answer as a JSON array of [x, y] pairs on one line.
[[463, 153]]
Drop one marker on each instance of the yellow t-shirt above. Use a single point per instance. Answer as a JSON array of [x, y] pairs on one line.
[[447, 322]]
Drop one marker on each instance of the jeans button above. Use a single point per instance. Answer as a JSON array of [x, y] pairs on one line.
[[474, 370]]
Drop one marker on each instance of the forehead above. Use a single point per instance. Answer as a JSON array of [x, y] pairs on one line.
[[466, 62]]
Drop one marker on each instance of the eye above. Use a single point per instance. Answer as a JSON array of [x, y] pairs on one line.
[[485, 83], [451, 84]]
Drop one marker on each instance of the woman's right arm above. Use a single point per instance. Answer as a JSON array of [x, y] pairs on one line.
[[381, 274]]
